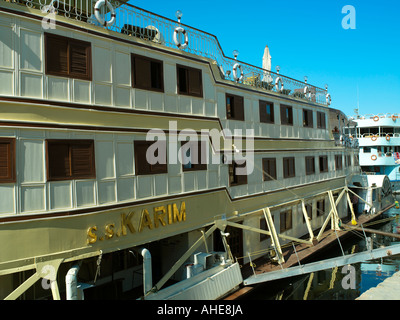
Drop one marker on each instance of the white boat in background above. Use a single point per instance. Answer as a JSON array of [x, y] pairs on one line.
[[379, 139], [375, 189]]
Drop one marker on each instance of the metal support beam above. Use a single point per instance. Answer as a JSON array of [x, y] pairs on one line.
[[371, 205], [274, 236], [23, 287], [329, 216], [283, 236], [307, 219], [44, 269], [353, 216], [324, 264], [335, 215]]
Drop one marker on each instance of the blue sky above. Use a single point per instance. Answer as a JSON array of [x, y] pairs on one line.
[[306, 38]]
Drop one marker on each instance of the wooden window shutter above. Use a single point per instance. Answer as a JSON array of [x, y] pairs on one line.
[[292, 167], [323, 121], [266, 112], [289, 115], [79, 54], [82, 160], [142, 72], [242, 178], [59, 162], [284, 119], [70, 159], [156, 75], [7, 160], [195, 83], [182, 80], [288, 167], [57, 55], [141, 165], [68, 57], [269, 168], [238, 108], [310, 119], [158, 167], [263, 111], [4, 160], [189, 81]]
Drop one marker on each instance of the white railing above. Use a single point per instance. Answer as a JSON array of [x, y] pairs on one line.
[[143, 24], [378, 116], [374, 136]]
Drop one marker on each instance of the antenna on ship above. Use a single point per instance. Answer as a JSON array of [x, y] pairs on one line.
[[358, 104]]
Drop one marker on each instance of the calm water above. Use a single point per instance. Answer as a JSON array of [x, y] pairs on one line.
[[327, 284]]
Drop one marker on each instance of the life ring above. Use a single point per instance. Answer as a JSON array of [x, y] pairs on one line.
[[376, 118], [374, 137], [177, 31], [328, 99], [98, 16], [374, 157], [235, 67], [387, 137], [277, 87], [307, 91], [394, 117]]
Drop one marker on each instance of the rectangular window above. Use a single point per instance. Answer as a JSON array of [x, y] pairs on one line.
[[307, 118], [147, 73], [7, 160], [323, 163], [286, 115], [68, 57], [189, 81], [367, 149], [347, 160], [338, 162], [266, 111], [194, 155], [310, 165], [320, 208], [70, 159], [289, 167], [237, 178], [321, 122], [150, 157], [234, 107], [309, 210], [285, 220], [269, 169], [264, 226]]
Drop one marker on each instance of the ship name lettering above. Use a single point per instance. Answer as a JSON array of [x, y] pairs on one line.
[[161, 216]]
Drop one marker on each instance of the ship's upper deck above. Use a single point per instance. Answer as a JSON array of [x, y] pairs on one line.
[[377, 120], [142, 24]]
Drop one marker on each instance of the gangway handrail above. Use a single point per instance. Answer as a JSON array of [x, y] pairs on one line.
[[324, 264]]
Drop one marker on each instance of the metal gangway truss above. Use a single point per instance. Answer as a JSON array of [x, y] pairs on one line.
[[370, 254]]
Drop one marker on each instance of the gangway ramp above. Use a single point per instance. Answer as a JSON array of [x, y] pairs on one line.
[[323, 264]]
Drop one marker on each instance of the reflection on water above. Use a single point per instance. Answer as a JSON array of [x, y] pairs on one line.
[[327, 284]]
